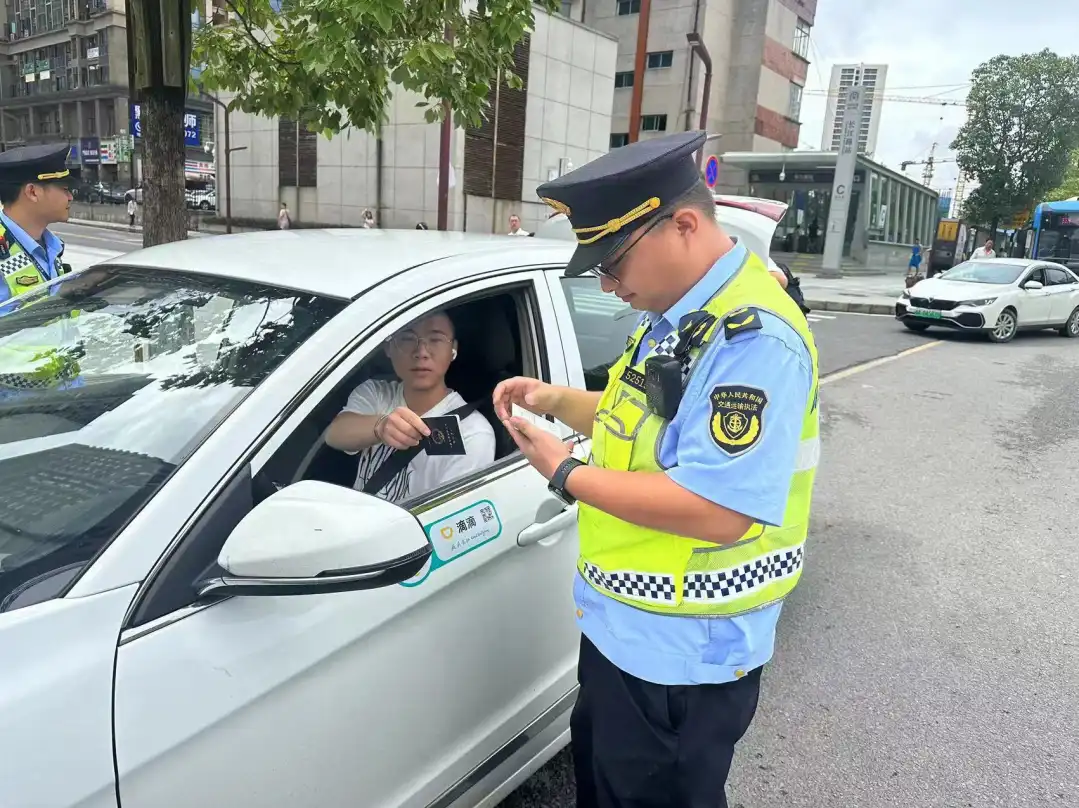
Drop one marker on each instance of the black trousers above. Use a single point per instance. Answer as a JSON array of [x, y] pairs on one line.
[[637, 744]]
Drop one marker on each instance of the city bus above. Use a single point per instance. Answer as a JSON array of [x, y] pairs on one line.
[[1055, 232]]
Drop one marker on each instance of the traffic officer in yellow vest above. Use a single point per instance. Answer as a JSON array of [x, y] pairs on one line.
[[34, 192], [694, 507]]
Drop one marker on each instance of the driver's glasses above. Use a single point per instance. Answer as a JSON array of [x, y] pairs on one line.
[[409, 342]]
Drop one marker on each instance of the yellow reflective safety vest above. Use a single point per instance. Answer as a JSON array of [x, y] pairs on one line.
[[21, 273], [31, 367], [669, 574]]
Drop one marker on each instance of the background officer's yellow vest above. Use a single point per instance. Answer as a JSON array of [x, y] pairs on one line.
[[670, 574], [20, 271], [25, 367]]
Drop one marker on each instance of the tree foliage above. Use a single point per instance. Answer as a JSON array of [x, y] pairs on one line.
[[330, 63], [1022, 125], [1069, 188]]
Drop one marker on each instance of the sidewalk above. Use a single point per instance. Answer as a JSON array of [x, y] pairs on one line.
[[209, 230], [863, 294]]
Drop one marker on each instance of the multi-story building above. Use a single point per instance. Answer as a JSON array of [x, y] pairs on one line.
[[872, 77], [759, 51], [64, 77]]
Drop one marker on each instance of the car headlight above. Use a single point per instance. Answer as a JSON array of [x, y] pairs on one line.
[[985, 301]]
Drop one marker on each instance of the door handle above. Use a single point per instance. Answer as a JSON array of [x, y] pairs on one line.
[[538, 531]]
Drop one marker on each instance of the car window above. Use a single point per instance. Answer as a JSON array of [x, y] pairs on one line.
[[991, 272], [602, 324], [1058, 277], [495, 341], [1036, 274], [108, 381]]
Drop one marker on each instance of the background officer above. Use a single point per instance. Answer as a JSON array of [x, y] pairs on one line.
[[694, 507], [34, 191]]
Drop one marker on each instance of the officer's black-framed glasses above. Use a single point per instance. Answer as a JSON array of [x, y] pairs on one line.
[[608, 267]]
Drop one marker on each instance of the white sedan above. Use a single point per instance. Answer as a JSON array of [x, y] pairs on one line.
[[997, 296], [196, 608]]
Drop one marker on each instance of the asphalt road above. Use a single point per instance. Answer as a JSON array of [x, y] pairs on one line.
[[98, 238], [929, 657]]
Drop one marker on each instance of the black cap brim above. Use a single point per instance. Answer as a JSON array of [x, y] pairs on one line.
[[589, 256]]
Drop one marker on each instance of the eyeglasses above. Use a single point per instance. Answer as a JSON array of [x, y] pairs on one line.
[[609, 270], [409, 342]]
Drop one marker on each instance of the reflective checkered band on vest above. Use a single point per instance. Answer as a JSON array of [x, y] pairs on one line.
[[638, 585], [717, 585], [739, 580], [17, 261]]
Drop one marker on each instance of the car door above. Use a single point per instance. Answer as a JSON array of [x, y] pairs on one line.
[[1035, 306], [1062, 287], [402, 696]]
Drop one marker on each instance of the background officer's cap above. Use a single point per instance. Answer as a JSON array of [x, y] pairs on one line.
[[37, 164], [609, 198]]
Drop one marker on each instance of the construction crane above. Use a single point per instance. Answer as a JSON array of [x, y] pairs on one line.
[[929, 162], [904, 99]]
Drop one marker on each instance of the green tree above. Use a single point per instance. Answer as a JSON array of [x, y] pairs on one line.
[[330, 63], [1022, 125], [1069, 188]]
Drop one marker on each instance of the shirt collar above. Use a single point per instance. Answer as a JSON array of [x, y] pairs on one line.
[[705, 289], [31, 245]]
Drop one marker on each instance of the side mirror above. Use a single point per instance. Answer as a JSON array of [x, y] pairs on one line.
[[312, 538], [1032, 285]]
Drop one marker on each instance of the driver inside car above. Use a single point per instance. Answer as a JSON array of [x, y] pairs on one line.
[[382, 417]]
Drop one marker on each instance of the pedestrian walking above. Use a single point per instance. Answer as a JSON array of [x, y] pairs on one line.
[[131, 211], [284, 220], [694, 506], [515, 226], [914, 266], [368, 219], [985, 251]]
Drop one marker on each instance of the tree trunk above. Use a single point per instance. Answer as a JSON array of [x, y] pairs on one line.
[[164, 216], [993, 229]]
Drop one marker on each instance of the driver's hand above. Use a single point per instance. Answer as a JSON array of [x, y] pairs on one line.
[[402, 429], [531, 394]]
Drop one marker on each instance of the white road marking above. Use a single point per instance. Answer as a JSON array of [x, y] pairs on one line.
[[884, 360]]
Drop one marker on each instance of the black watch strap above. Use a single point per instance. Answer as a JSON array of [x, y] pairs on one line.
[[558, 479]]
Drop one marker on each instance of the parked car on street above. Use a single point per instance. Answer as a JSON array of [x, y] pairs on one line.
[[201, 199], [193, 596], [995, 296]]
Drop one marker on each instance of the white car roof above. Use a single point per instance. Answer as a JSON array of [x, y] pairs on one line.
[[342, 263]]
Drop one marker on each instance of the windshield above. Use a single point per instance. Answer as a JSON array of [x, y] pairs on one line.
[[984, 272], [109, 380], [1059, 244]]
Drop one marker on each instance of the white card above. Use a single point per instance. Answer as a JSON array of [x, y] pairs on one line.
[[535, 420]]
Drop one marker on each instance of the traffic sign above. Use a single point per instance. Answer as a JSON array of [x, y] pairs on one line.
[[711, 171]]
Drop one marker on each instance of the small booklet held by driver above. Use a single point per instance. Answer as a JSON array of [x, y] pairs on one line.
[[445, 437]]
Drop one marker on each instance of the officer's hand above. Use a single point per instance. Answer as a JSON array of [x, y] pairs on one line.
[[532, 394], [402, 429], [543, 450]]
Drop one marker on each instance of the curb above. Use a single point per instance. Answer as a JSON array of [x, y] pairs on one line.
[[851, 306], [123, 227]]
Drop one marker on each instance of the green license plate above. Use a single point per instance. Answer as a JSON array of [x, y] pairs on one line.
[[931, 314]]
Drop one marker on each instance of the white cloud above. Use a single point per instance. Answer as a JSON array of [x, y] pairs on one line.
[[927, 45]]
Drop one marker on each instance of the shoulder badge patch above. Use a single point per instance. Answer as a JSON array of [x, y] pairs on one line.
[[741, 321], [737, 422]]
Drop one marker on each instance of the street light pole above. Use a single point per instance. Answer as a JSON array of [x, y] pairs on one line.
[[228, 162], [697, 46]]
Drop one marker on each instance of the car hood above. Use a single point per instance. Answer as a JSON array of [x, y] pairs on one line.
[[957, 290]]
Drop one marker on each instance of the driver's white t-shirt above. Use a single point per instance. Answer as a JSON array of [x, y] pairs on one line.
[[376, 397]]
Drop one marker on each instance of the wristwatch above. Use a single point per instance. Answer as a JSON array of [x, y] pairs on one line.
[[557, 485]]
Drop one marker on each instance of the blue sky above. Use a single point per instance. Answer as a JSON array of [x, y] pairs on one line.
[[927, 45]]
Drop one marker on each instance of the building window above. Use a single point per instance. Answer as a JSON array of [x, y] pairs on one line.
[[653, 123], [795, 103], [622, 79], [801, 40], [619, 139], [660, 59], [297, 149], [626, 7]]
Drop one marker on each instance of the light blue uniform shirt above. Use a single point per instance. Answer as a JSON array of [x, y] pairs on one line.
[[44, 256], [672, 650]]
